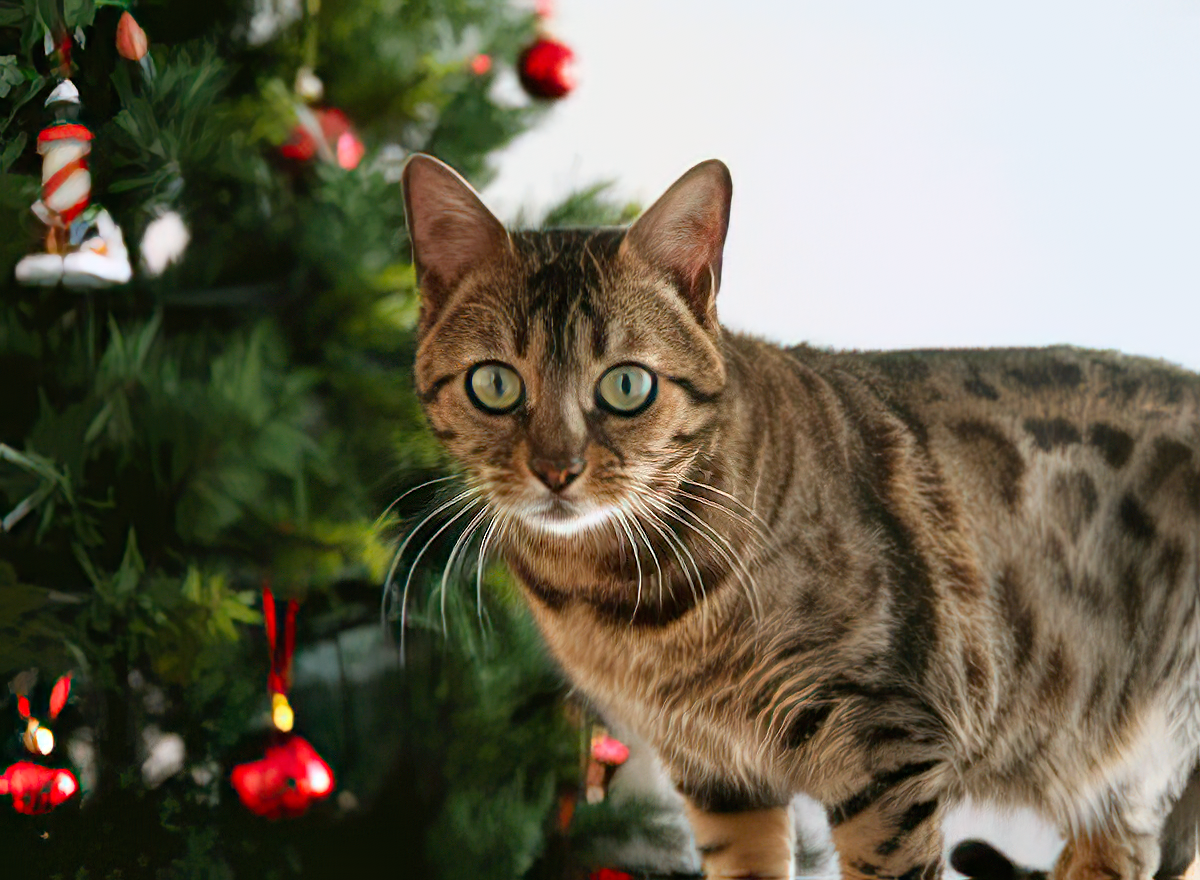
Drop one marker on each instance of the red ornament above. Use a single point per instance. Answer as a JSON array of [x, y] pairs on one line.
[[481, 64], [609, 750], [38, 738], [609, 874], [547, 68], [284, 782], [131, 39], [604, 757], [36, 789], [291, 775], [326, 132]]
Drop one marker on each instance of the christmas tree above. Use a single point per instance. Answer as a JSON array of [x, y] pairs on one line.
[[205, 352]]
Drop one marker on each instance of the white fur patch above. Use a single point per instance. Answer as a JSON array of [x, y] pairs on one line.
[[569, 528]]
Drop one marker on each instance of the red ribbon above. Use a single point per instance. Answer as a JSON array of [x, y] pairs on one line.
[[280, 679]]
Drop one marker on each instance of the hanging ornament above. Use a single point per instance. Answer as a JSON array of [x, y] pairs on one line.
[[38, 739], [34, 787], [84, 247], [284, 782], [547, 68], [291, 775], [606, 755], [133, 45], [320, 131], [164, 242], [327, 133], [308, 86]]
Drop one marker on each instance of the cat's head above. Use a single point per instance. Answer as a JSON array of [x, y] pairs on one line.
[[573, 373]]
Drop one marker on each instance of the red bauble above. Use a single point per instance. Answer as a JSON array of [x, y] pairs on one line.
[[284, 782], [37, 789], [326, 131], [608, 750], [547, 68]]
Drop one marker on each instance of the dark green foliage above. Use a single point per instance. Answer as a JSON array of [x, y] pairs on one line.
[[168, 446]]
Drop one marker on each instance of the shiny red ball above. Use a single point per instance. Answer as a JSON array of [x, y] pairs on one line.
[[284, 782], [326, 132], [547, 68], [36, 789]]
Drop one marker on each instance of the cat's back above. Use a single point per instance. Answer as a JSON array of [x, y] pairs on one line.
[[1052, 433]]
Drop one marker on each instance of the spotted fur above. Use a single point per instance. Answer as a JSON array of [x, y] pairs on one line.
[[887, 580]]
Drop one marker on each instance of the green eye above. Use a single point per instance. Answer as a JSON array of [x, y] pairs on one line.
[[494, 387], [626, 390]]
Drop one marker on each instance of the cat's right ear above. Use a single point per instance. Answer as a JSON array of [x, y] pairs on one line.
[[450, 229], [683, 234]]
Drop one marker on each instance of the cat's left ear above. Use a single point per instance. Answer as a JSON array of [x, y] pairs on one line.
[[683, 233], [452, 232]]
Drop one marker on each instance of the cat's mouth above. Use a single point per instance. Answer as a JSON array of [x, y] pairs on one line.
[[565, 518]]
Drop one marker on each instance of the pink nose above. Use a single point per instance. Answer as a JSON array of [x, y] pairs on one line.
[[557, 474]]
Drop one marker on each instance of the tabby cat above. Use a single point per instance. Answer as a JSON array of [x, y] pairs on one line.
[[886, 580]]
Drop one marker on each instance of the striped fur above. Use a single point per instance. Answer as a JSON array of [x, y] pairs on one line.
[[887, 580]]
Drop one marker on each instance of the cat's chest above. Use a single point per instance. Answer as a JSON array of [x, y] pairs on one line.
[[678, 693]]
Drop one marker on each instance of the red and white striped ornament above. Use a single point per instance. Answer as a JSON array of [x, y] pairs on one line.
[[66, 181]]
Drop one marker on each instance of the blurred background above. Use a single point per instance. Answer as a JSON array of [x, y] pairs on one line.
[[205, 344], [908, 175]]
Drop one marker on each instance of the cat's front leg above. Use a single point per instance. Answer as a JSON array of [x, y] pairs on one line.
[[889, 838], [747, 844]]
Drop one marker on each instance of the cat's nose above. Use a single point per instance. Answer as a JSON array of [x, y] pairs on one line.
[[557, 474]]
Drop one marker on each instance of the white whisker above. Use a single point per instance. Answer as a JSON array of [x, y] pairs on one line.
[[389, 581], [728, 554], [754, 528], [412, 569], [637, 559], [459, 543], [738, 501], [650, 547], [379, 519], [480, 563], [682, 546], [671, 540]]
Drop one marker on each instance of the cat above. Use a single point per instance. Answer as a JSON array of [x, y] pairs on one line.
[[886, 580]]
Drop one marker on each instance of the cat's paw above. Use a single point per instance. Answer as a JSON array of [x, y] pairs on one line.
[[982, 861]]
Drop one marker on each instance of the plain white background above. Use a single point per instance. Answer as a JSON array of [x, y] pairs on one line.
[[920, 174], [916, 174]]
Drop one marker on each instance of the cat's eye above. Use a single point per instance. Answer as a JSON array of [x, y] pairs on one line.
[[626, 389], [494, 387]]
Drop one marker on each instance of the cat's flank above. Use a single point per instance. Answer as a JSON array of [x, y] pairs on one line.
[[888, 581]]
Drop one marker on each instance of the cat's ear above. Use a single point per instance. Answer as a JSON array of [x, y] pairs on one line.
[[451, 230], [683, 233]]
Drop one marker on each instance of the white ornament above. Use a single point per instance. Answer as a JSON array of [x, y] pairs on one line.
[[41, 269], [101, 260], [165, 240], [64, 93]]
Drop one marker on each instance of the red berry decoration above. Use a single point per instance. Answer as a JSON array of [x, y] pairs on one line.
[[547, 69]]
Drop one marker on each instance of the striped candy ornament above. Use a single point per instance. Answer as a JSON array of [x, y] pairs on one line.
[[66, 181]]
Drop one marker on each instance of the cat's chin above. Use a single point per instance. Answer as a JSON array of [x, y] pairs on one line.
[[565, 519]]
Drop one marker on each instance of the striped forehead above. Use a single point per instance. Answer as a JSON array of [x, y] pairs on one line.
[[562, 301]]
